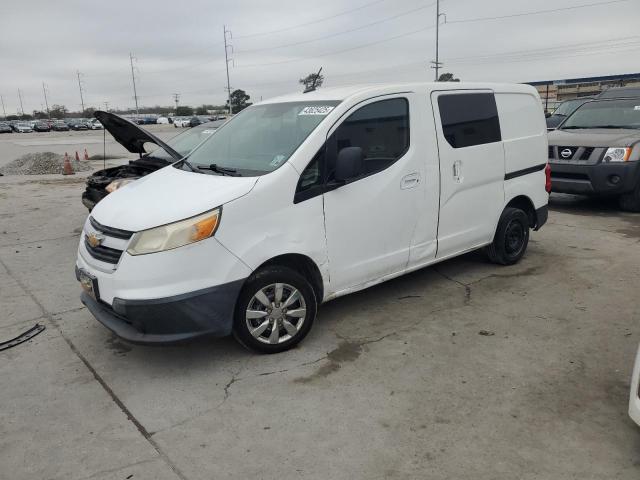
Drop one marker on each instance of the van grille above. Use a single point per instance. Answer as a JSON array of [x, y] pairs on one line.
[[551, 153], [113, 236], [110, 231], [104, 254]]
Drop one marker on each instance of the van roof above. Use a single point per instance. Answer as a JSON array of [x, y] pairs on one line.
[[344, 92]]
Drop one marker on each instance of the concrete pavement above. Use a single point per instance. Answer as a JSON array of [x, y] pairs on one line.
[[392, 382]]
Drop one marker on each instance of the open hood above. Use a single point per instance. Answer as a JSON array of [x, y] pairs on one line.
[[130, 135]]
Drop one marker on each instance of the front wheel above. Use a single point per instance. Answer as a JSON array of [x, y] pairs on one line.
[[630, 202], [275, 310], [511, 238]]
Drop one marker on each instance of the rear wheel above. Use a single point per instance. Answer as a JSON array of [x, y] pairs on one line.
[[630, 202], [275, 310], [511, 238]]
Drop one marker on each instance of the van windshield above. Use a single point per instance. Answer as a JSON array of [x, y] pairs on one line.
[[261, 138], [605, 114]]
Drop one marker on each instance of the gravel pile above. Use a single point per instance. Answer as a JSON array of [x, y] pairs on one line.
[[42, 163]]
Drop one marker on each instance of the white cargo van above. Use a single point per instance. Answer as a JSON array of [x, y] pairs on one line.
[[307, 197]]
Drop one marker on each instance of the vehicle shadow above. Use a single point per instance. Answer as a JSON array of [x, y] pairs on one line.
[[584, 205]]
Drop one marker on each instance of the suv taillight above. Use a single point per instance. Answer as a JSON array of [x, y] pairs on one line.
[[547, 173]]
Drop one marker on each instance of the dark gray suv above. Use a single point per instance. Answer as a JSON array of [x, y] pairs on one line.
[[596, 151]]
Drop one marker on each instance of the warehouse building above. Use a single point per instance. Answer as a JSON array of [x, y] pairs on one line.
[[553, 92]]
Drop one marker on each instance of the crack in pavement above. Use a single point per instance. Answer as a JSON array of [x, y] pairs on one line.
[[466, 286], [120, 404]]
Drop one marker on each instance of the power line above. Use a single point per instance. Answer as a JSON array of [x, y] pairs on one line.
[[337, 52], [324, 37], [293, 27], [537, 12]]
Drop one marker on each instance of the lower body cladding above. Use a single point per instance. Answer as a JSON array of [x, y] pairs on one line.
[[634, 400], [165, 297], [600, 179]]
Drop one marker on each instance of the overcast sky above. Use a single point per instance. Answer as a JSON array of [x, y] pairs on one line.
[[178, 45]]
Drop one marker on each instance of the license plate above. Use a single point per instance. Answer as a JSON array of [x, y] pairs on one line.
[[89, 283]]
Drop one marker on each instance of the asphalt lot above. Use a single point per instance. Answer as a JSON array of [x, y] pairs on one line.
[[393, 382]]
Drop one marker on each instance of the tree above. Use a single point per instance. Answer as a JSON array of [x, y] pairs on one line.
[[40, 114], [88, 112], [204, 109], [58, 111], [184, 111], [239, 101], [448, 77], [309, 80]]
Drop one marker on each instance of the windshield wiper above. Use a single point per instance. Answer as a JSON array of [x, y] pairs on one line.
[[232, 172], [191, 167]]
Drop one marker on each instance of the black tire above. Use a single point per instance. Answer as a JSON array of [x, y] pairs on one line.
[[511, 238], [266, 278], [630, 202]]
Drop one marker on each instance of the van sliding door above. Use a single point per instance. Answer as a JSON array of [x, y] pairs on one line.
[[471, 168]]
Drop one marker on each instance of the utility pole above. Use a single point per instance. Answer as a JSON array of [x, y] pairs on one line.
[[46, 102], [133, 78], [226, 61], [437, 64], [80, 87], [4, 112], [106, 106], [20, 98], [176, 98]]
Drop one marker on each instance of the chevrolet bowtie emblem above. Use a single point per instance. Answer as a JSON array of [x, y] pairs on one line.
[[95, 239]]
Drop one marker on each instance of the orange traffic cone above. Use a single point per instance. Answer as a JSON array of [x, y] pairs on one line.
[[86, 155], [77, 156], [67, 169]]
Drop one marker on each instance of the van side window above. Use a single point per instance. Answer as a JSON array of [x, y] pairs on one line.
[[381, 129], [469, 119]]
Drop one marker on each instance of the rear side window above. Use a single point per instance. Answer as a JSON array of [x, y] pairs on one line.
[[381, 129], [469, 119]]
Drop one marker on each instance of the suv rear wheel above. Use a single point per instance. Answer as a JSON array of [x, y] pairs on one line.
[[275, 310], [511, 238]]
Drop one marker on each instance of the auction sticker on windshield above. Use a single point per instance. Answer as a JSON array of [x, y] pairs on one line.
[[316, 110]]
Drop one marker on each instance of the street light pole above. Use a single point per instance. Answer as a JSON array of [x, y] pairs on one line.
[[80, 87], [133, 78], [20, 98], [46, 102], [226, 61]]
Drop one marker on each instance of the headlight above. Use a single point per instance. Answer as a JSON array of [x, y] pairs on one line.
[[617, 154], [176, 234], [116, 184]]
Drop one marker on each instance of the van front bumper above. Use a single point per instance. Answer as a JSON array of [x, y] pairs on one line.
[[599, 179], [207, 312]]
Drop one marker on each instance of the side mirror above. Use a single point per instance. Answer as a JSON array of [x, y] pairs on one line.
[[349, 164]]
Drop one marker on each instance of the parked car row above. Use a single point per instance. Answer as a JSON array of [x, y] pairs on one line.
[[48, 125]]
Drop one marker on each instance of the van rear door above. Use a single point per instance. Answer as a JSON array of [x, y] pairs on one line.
[[471, 168]]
